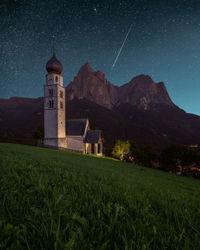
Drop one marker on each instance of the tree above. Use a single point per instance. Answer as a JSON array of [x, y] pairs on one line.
[[170, 156], [38, 134], [146, 156], [174, 154], [151, 156], [135, 152], [121, 149]]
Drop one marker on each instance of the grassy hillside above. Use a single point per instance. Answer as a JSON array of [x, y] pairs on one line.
[[58, 200]]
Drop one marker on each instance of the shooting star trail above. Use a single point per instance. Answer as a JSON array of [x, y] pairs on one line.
[[119, 52]]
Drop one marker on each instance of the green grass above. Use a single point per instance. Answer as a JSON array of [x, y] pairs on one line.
[[59, 200]]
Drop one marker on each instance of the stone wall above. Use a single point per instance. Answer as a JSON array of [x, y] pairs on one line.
[[75, 143]]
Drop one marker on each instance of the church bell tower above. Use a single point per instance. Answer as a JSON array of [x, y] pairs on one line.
[[54, 105]]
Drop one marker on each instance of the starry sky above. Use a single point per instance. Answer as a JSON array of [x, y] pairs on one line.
[[164, 42]]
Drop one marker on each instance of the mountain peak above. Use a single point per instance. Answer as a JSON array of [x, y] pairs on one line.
[[142, 91], [141, 79], [86, 68]]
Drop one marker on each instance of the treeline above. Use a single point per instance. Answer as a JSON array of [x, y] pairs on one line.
[[176, 158]]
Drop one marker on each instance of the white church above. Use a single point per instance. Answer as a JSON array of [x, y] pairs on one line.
[[74, 135]]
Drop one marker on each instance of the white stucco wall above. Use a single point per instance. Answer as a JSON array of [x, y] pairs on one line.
[[62, 142], [51, 142], [61, 112], [50, 123], [75, 143], [54, 118], [51, 79]]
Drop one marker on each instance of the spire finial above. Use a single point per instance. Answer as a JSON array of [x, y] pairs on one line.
[[53, 50]]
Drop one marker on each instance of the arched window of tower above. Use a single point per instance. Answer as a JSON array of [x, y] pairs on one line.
[[51, 104], [51, 92]]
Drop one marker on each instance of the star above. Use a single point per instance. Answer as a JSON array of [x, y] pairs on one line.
[[166, 33]]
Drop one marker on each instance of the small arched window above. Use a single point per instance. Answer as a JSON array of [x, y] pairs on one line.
[[50, 92], [56, 79], [61, 105], [51, 104]]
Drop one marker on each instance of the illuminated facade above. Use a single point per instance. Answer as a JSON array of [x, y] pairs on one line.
[[74, 135]]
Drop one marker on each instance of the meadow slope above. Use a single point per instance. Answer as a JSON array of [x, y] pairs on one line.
[[59, 200]]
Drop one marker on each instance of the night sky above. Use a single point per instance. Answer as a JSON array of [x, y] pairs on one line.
[[164, 42]]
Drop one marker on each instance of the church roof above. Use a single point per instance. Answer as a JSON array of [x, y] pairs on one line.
[[93, 136], [54, 65], [76, 127]]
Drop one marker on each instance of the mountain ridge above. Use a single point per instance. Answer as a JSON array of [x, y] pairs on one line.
[[140, 90]]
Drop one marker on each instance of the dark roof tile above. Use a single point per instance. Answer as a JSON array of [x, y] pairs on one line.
[[76, 127], [93, 136]]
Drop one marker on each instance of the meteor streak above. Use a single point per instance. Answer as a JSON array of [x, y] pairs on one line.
[[119, 52]]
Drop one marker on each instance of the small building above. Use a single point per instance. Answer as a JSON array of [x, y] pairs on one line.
[[75, 134], [93, 142], [80, 138]]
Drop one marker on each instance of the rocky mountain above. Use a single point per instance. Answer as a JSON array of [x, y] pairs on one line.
[[92, 86], [140, 110], [141, 91]]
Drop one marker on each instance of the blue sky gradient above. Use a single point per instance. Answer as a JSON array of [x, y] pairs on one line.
[[164, 43]]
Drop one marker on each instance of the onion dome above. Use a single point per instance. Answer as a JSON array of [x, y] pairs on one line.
[[53, 65]]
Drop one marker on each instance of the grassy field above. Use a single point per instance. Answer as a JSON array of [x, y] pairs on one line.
[[58, 200]]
